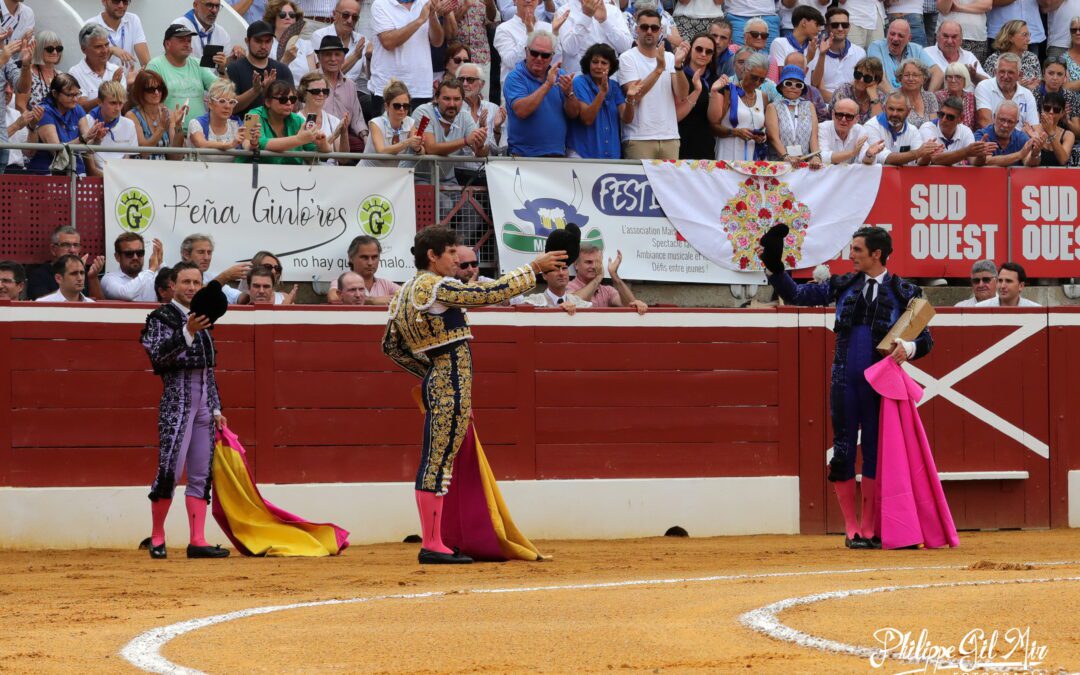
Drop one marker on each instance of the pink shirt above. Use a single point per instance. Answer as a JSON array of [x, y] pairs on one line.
[[381, 287], [605, 296]]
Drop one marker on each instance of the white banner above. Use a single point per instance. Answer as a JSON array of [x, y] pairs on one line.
[[306, 216], [616, 209], [724, 210]]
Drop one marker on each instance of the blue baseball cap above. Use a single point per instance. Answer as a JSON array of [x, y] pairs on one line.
[[792, 72]]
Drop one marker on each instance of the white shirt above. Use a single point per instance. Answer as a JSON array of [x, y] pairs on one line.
[[973, 26], [699, 9], [996, 302], [961, 138], [655, 117], [218, 36], [122, 134], [838, 70], [779, 50], [89, 81], [909, 139], [140, 288], [510, 39], [21, 22], [906, 7], [128, 34], [1058, 22], [830, 142], [57, 296], [231, 294], [748, 8], [411, 61], [867, 14], [988, 96], [357, 72], [15, 157], [970, 302], [549, 299], [966, 58], [581, 32]]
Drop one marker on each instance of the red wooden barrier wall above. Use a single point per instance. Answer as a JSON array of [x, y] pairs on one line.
[[315, 401]]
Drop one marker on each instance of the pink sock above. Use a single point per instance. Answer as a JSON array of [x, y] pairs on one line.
[[430, 506], [158, 511], [871, 506], [196, 509], [845, 494]]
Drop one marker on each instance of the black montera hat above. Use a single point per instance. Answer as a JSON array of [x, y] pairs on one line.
[[210, 302], [567, 239]]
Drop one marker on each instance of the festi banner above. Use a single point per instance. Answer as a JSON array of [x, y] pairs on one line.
[[306, 216], [1045, 226], [616, 209], [942, 220]]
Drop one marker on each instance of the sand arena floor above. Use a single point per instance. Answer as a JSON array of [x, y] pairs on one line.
[[74, 611]]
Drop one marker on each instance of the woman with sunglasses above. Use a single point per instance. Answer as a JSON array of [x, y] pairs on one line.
[[218, 128], [456, 55], [1015, 37], [1057, 149], [1071, 56], [282, 15], [864, 89], [282, 129], [1055, 80], [923, 105], [594, 133], [698, 141], [265, 260], [737, 113], [314, 92], [392, 132], [48, 50], [958, 85], [155, 125], [63, 122], [792, 123]]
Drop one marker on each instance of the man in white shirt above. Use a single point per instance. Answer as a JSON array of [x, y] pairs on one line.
[[835, 64], [842, 138], [95, 67], [132, 283], [346, 19], [587, 23], [70, 273], [17, 17], [1011, 279], [903, 143], [127, 41], [652, 82], [555, 295], [957, 139], [512, 34], [201, 19], [947, 51], [199, 250], [1004, 87], [807, 22], [983, 283], [404, 32]]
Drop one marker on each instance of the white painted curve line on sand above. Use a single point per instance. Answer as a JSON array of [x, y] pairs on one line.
[[766, 620], [144, 652]]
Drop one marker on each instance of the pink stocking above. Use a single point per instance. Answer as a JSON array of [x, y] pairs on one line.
[[845, 494], [158, 510], [196, 509], [430, 507], [871, 506]]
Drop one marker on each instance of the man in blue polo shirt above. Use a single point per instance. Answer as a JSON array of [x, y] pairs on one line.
[[1012, 146], [539, 98]]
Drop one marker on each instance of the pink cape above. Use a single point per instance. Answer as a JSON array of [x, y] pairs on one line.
[[913, 506]]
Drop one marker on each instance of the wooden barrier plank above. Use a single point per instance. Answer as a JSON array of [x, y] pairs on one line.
[[6, 380], [299, 389], [811, 380], [110, 355], [374, 427], [673, 334], [656, 460], [665, 389], [683, 424], [95, 389], [650, 356], [100, 427], [84, 466], [1064, 440]]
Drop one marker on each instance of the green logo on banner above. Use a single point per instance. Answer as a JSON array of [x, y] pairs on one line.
[[517, 239], [376, 216], [134, 210]]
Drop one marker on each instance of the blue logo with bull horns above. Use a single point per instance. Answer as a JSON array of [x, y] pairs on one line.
[[545, 215]]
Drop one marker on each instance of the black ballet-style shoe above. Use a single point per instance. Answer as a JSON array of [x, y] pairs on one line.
[[857, 542], [158, 552], [206, 552], [875, 542], [427, 557]]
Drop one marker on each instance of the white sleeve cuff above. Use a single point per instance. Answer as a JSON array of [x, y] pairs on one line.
[[188, 337], [909, 347]]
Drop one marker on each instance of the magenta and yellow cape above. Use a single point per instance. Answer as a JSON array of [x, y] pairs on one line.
[[254, 525]]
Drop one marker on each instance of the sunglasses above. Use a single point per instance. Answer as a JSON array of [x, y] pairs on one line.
[[285, 99], [754, 79], [225, 101], [975, 281], [54, 50], [272, 268], [793, 83], [399, 106], [649, 27], [319, 92], [154, 90], [141, 253], [865, 77], [73, 94], [212, 6], [349, 16], [540, 55], [704, 50], [467, 265], [120, 2], [287, 15], [949, 117], [840, 24], [1075, 31], [757, 35], [459, 60], [1053, 109], [468, 79], [843, 116]]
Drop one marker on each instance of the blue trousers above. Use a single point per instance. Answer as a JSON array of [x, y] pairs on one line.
[[857, 406]]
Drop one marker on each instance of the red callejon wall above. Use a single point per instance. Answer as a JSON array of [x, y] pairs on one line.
[[601, 395]]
